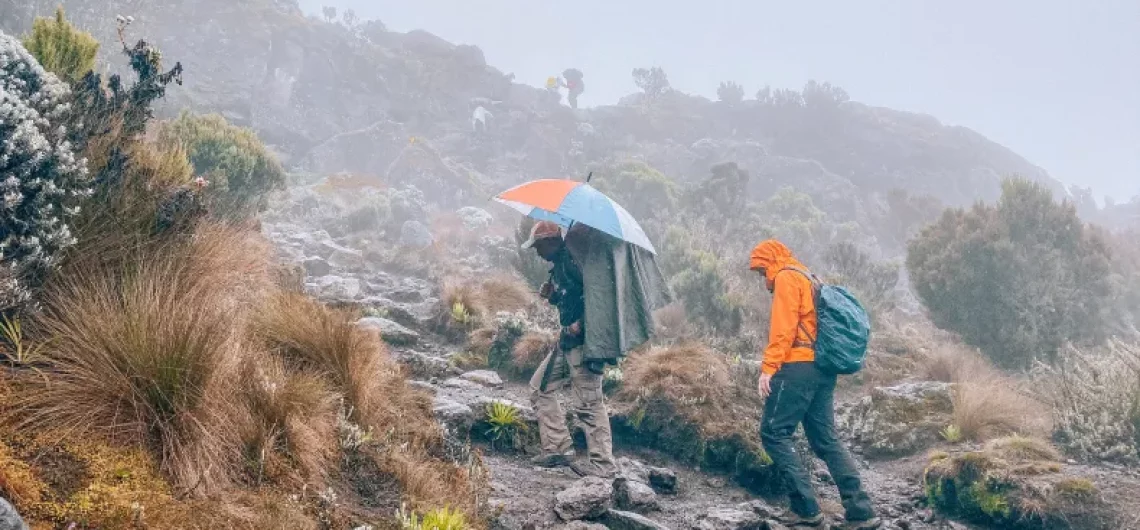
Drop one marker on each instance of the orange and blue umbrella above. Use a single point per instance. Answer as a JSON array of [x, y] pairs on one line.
[[569, 201]]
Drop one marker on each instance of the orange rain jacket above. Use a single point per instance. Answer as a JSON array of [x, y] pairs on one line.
[[793, 324]]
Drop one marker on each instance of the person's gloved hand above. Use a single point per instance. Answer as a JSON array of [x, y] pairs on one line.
[[596, 367]]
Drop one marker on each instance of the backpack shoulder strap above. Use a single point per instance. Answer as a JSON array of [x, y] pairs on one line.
[[815, 288]]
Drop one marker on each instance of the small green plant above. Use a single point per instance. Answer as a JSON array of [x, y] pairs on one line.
[[460, 314], [18, 351], [952, 434], [504, 425], [612, 380], [440, 519]]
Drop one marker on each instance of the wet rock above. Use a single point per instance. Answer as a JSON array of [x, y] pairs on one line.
[[414, 234], [331, 287], [582, 525], [900, 420], [730, 519], [424, 386], [487, 378], [760, 508], [316, 267], [457, 416], [463, 384], [9, 518], [589, 498], [774, 525], [662, 479], [474, 218], [622, 520], [390, 331], [347, 259], [635, 496], [424, 366]]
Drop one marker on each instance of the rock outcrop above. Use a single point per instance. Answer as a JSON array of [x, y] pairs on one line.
[[900, 420]]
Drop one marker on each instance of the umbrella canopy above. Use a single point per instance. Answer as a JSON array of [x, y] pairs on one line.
[[569, 201]]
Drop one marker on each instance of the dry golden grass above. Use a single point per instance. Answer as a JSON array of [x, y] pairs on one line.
[[531, 349], [994, 406], [505, 292], [690, 375], [672, 322], [149, 356], [1017, 448], [461, 305], [954, 363], [291, 435]]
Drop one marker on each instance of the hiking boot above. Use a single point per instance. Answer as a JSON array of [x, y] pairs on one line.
[[586, 468], [868, 524], [794, 519], [551, 460]]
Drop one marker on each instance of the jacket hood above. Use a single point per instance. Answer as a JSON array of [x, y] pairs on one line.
[[772, 256]]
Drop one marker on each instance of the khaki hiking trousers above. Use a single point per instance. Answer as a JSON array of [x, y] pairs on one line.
[[589, 408]]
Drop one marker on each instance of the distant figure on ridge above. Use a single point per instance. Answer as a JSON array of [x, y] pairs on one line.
[[479, 119], [574, 85], [553, 86], [797, 390]]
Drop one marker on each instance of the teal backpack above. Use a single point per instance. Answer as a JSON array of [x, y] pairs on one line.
[[843, 330]]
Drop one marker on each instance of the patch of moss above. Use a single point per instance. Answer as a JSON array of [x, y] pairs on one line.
[[1075, 487]]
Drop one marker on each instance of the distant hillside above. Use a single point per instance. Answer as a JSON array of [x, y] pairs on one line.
[[331, 98]]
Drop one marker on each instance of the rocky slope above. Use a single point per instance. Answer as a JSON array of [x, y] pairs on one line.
[[334, 98]]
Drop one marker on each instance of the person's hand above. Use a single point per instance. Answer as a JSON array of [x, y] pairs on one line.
[[546, 290], [574, 329], [765, 385]]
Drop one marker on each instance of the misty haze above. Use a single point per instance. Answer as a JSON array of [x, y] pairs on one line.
[[517, 265]]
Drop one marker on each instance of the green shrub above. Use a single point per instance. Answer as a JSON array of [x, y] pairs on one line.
[[703, 291], [1018, 279], [638, 187], [61, 48], [240, 170]]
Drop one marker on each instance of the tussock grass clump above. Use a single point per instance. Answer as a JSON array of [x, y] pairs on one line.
[[994, 406], [506, 293], [683, 399], [952, 363], [461, 307], [150, 355], [291, 437], [531, 349]]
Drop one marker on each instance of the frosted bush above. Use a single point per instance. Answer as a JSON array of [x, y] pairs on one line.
[[1096, 402], [41, 180]]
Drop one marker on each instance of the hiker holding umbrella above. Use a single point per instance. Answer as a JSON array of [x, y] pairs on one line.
[[606, 285]]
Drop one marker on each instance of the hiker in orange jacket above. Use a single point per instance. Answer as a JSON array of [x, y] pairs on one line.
[[796, 392]]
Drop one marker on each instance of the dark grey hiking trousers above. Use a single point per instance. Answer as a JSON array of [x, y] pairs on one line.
[[803, 394]]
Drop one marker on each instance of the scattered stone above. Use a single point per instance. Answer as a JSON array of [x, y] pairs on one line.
[[462, 384], [347, 259], [900, 420], [582, 525], [773, 524], [622, 520], [424, 386], [457, 416], [424, 366], [487, 378], [730, 519], [392, 332], [635, 496], [589, 498], [331, 287], [414, 234], [760, 508], [9, 518], [316, 267], [662, 479]]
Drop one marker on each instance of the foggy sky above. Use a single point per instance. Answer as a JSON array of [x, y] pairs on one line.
[[1056, 81]]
